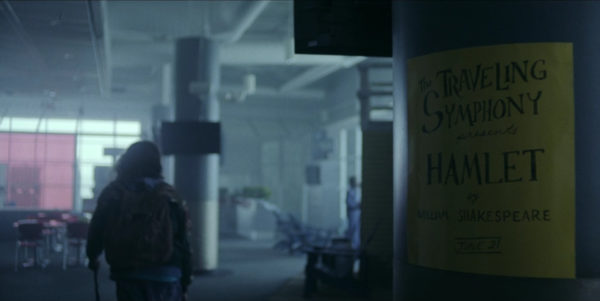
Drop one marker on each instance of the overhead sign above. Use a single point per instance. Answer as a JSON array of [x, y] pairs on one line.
[[491, 160]]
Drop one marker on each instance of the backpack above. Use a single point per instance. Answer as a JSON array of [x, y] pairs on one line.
[[139, 230]]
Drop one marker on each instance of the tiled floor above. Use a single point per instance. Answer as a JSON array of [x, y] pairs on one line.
[[292, 291], [248, 271]]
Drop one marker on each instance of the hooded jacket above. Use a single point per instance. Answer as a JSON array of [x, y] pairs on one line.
[[177, 268]]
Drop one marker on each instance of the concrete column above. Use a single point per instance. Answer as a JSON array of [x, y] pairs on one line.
[[197, 176], [358, 154], [343, 173], [422, 28], [164, 112]]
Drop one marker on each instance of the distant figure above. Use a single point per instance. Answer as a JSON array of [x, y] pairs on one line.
[[353, 197], [142, 226]]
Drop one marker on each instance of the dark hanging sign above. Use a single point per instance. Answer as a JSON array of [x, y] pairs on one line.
[[343, 27], [190, 137]]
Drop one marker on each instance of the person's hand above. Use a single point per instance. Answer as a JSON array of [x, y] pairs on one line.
[[94, 264], [184, 292]]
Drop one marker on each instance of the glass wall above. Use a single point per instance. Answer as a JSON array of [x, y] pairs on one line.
[[58, 163]]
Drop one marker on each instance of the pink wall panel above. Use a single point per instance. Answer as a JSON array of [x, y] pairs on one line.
[[57, 174], [61, 149], [57, 198], [21, 150], [40, 170]]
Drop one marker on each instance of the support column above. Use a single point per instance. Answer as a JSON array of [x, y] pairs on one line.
[[343, 172], [197, 176], [163, 111]]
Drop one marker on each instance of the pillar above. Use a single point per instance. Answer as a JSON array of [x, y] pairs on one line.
[[422, 29], [197, 176], [163, 111]]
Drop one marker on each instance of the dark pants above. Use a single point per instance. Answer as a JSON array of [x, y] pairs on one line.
[[143, 290]]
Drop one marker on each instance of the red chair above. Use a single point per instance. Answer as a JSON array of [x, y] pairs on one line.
[[76, 237], [68, 217], [30, 236], [51, 232]]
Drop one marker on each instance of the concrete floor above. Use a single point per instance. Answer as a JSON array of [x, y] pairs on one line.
[[249, 270], [292, 291]]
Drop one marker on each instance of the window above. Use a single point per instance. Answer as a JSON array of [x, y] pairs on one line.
[[41, 158]]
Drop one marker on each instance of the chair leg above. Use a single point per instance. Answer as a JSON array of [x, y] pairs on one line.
[[17, 247], [50, 244], [82, 252], [65, 255], [78, 253]]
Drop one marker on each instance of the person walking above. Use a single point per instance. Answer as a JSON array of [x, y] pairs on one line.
[[142, 226]]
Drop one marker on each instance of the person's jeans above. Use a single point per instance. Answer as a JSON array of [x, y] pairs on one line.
[[144, 290], [353, 233]]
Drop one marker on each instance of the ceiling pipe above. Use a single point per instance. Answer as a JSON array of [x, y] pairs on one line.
[[316, 73], [107, 41], [255, 8], [269, 52], [100, 69], [247, 53], [273, 92]]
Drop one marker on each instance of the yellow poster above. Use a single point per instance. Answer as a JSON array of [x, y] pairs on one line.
[[491, 160]]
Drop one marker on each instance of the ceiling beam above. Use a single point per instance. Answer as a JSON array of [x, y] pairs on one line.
[[236, 111], [100, 67], [247, 53], [316, 73], [308, 94], [245, 20]]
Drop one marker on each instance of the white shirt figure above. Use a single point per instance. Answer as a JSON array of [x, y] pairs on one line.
[[353, 197]]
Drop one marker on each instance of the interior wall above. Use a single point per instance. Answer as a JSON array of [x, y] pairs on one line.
[[342, 102], [263, 151], [240, 165], [283, 162], [323, 200], [325, 205]]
